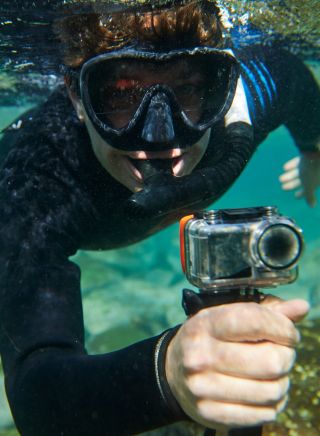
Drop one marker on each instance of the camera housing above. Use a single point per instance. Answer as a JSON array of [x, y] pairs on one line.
[[245, 248]]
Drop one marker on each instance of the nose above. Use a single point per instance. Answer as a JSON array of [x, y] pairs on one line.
[[158, 125]]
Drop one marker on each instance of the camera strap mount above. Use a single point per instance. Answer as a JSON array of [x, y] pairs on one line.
[[193, 302]]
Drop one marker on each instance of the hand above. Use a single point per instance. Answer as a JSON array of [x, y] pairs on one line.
[[229, 365], [302, 174]]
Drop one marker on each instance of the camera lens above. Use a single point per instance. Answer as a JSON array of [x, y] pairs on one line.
[[279, 246]]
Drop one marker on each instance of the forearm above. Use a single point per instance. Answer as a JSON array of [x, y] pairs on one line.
[[54, 387], [63, 391], [301, 101], [280, 89]]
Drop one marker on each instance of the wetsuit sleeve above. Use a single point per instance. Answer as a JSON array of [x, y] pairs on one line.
[[281, 89], [53, 386]]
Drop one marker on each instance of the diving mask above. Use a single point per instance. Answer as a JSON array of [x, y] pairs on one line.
[[142, 100]]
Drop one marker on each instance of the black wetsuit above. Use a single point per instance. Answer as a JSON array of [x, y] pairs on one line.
[[55, 199]]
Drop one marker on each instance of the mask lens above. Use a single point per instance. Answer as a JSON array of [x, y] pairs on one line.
[[200, 86], [115, 95], [213, 94]]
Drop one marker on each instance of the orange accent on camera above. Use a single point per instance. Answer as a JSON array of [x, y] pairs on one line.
[[183, 223]]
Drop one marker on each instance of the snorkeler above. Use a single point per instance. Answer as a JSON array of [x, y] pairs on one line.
[[165, 120]]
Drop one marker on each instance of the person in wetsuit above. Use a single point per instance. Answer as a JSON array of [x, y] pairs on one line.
[[157, 120]]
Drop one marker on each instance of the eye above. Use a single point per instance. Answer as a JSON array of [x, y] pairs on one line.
[[186, 89], [189, 94], [118, 99]]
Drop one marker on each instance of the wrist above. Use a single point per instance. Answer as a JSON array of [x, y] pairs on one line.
[[162, 376], [311, 154], [310, 146]]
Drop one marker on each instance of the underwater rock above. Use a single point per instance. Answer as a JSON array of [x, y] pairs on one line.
[[301, 416]]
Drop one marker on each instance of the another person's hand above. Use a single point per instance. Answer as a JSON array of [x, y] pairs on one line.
[[302, 174], [229, 365]]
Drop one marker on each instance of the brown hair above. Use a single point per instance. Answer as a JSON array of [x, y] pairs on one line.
[[179, 25]]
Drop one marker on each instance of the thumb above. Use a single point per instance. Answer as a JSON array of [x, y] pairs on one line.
[[295, 309]]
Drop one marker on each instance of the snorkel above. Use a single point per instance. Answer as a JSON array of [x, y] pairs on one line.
[[169, 194]]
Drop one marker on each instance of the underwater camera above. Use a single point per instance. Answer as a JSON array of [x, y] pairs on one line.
[[229, 253]]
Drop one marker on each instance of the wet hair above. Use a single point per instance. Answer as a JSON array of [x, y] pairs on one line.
[[178, 25]]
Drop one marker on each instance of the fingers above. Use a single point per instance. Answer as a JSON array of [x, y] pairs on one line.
[[290, 179], [302, 173], [249, 322], [295, 309], [220, 387], [289, 175], [291, 184], [261, 361], [292, 164], [235, 415]]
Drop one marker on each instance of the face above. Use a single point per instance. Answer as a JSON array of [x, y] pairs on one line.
[[121, 165], [126, 81]]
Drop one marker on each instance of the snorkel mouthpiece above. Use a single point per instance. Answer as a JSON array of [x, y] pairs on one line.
[[158, 125]]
